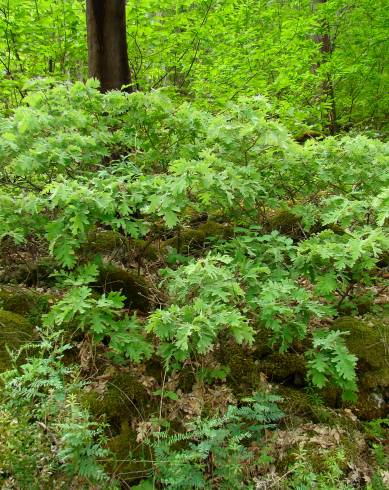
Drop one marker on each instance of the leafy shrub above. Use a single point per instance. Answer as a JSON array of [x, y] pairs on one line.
[[214, 450], [100, 316], [207, 298], [75, 159], [47, 437], [330, 358]]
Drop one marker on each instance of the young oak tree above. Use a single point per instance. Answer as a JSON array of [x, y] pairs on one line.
[[107, 43]]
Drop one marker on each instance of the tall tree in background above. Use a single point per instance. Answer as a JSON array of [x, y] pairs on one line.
[[107, 43], [326, 48]]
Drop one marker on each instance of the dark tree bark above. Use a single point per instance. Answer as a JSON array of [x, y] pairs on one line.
[[326, 48], [107, 43]]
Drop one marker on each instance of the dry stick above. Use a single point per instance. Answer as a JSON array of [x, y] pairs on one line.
[[162, 390], [345, 294], [128, 398]]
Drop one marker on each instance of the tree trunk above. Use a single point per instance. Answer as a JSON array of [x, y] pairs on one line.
[[107, 43], [326, 48]]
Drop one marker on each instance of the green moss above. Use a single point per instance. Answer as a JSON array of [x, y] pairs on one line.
[[123, 400], [124, 396], [246, 366], [112, 243], [371, 406], [332, 396], [262, 343], [32, 274], [283, 366], [15, 331], [369, 341], [187, 379], [131, 459], [132, 286], [25, 302], [245, 373], [375, 378], [299, 403], [142, 249], [188, 241], [105, 242], [41, 272], [307, 135], [383, 260], [286, 223]]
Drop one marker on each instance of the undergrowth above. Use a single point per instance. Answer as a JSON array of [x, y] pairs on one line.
[[74, 162]]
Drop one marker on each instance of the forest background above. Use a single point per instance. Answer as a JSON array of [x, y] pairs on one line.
[[212, 52], [194, 269]]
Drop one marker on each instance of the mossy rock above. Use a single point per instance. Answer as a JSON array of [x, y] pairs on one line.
[[143, 249], [371, 406], [309, 135], [112, 243], [15, 331], [26, 302], [301, 406], [123, 398], [244, 370], [285, 366], [105, 242], [133, 286], [262, 341], [188, 241], [332, 396], [369, 341], [383, 260], [246, 366], [286, 223], [130, 462], [297, 402], [41, 273], [34, 274], [377, 378], [187, 378]]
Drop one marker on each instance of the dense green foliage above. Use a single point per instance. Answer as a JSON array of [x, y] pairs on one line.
[[193, 276], [231, 172], [176, 162], [216, 51], [217, 440], [39, 391]]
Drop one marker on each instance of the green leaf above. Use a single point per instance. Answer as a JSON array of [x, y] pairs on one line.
[[171, 218], [144, 485], [166, 394], [326, 284], [318, 379]]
